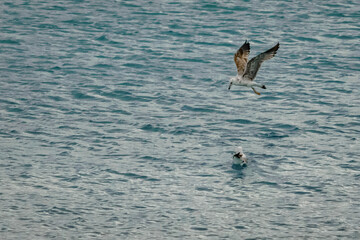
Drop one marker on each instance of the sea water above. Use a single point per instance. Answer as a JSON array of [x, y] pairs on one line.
[[116, 121]]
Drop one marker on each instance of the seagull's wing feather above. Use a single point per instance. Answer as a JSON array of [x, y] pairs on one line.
[[241, 57], [254, 64]]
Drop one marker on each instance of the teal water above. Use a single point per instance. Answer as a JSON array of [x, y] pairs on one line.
[[116, 121]]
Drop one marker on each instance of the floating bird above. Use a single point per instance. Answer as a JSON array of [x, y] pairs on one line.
[[247, 70], [239, 157]]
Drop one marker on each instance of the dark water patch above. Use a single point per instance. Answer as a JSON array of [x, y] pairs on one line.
[[25, 175], [55, 8], [350, 166], [151, 158], [202, 109], [208, 44], [152, 128], [341, 90], [121, 111], [130, 4], [59, 211], [176, 26], [132, 175], [102, 38], [135, 176], [231, 32], [335, 82], [27, 165], [48, 26], [50, 82], [68, 127], [323, 103], [102, 122], [10, 41], [273, 135], [57, 98], [209, 80], [41, 187], [289, 206], [313, 188], [239, 167], [188, 209], [189, 129], [14, 109], [180, 131], [206, 189], [266, 183], [205, 175], [36, 132], [306, 39], [176, 34], [241, 121], [68, 179], [240, 227], [134, 65], [117, 130], [113, 171], [184, 76], [340, 36], [353, 124], [7, 101], [288, 127], [316, 131], [191, 60], [126, 96], [112, 192], [301, 192], [81, 96], [311, 122], [105, 39], [199, 228], [115, 94], [103, 65], [150, 13]]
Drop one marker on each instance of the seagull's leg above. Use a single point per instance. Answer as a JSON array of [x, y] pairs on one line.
[[255, 91]]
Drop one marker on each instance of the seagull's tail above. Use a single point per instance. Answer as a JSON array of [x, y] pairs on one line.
[[263, 87]]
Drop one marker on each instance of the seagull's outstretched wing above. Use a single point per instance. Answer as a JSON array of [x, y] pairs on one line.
[[241, 57], [254, 64]]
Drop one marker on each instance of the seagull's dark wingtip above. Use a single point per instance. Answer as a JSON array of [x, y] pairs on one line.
[[246, 45]]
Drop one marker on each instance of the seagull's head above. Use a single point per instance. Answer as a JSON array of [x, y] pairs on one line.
[[232, 79]]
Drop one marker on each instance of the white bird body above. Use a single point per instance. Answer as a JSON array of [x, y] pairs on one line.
[[240, 81], [239, 158]]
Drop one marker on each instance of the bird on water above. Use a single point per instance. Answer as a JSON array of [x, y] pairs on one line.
[[239, 157]]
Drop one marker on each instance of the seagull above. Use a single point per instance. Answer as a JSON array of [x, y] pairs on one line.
[[246, 71], [239, 156]]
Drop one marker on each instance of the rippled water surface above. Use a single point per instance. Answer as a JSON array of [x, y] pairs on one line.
[[116, 121]]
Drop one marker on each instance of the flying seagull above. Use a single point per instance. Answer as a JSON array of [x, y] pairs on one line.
[[246, 71]]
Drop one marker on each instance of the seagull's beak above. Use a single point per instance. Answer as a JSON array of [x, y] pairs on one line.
[[230, 86]]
